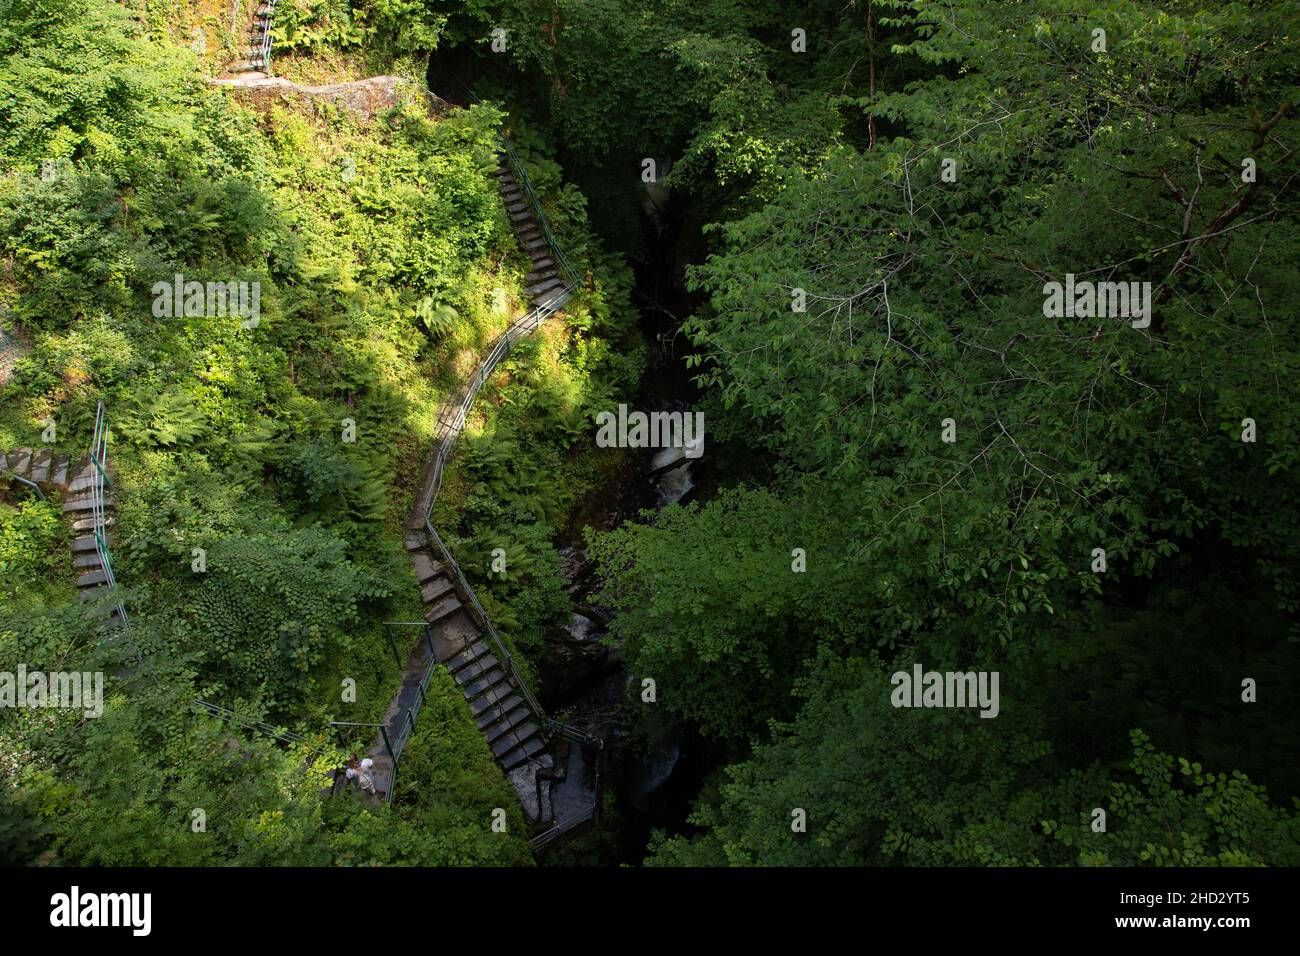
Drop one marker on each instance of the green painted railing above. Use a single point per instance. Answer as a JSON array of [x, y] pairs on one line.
[[261, 56], [99, 482]]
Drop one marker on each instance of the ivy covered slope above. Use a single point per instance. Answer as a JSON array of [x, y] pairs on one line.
[[258, 544]]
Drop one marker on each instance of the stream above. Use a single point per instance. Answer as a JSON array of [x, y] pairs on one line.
[[654, 775]]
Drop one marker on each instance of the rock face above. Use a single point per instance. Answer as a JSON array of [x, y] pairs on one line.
[[366, 98]]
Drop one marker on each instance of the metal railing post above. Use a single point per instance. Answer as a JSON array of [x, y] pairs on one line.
[[392, 642]]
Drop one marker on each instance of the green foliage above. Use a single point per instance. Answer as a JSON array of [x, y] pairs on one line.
[[268, 605], [890, 787], [1188, 818], [167, 419], [30, 535], [392, 27], [100, 110], [708, 604], [379, 247], [446, 784], [924, 302], [821, 172]]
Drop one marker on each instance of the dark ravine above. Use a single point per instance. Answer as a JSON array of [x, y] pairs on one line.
[[655, 770]]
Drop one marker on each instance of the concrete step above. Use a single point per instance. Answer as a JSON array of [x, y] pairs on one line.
[[501, 694], [543, 286], [86, 543], [92, 579], [489, 713], [517, 756], [555, 298], [453, 634], [465, 657], [483, 682], [59, 470], [41, 462], [416, 541], [542, 259], [514, 208], [435, 590], [540, 276], [87, 524], [426, 566], [514, 738], [20, 461], [444, 608], [80, 483], [83, 503], [88, 560], [475, 669], [493, 732]]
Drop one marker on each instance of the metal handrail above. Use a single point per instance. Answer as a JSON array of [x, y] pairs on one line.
[[6, 473], [408, 726], [521, 174], [230, 716], [450, 429], [98, 457], [422, 692], [559, 827], [481, 616], [397, 746], [451, 425], [264, 51], [450, 432]]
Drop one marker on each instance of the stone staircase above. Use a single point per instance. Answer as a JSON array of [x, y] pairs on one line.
[[520, 736], [75, 481], [543, 282], [258, 55], [512, 728]]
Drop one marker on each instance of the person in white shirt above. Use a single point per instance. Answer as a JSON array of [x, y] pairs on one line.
[[360, 772]]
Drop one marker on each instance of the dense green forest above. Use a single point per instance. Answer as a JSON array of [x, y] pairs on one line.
[[848, 220]]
